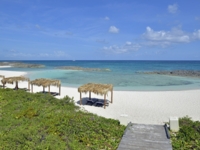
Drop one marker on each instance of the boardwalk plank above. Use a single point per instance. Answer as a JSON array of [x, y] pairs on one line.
[[140, 136]]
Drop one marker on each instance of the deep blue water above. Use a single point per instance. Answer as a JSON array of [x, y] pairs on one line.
[[123, 75]]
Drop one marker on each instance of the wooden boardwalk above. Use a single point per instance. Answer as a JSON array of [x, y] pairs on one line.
[[145, 137]]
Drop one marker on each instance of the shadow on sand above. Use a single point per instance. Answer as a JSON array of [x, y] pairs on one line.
[[51, 93], [93, 102]]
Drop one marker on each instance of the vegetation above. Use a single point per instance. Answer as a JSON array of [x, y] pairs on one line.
[[40, 121], [21, 65], [82, 69], [188, 136]]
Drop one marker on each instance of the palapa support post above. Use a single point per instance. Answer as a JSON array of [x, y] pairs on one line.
[[16, 87], [31, 88], [80, 98], [59, 89], [49, 89], [112, 95], [3, 85], [43, 89], [104, 101], [29, 85], [90, 95]]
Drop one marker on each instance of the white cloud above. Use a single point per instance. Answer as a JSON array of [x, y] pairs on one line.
[[128, 43], [54, 54], [160, 38], [44, 55], [164, 38], [60, 54], [173, 8], [196, 34], [113, 29], [21, 54], [107, 18], [12, 51], [122, 49]]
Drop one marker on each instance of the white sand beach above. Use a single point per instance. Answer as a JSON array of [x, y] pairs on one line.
[[5, 66], [148, 107]]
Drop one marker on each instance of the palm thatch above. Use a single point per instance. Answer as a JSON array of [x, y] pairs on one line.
[[11, 80], [46, 83], [1, 76], [101, 89], [95, 88]]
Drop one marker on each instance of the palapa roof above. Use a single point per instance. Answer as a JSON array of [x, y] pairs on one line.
[[1, 76], [10, 80], [96, 88], [45, 82]]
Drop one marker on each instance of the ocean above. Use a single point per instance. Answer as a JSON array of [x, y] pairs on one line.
[[124, 75]]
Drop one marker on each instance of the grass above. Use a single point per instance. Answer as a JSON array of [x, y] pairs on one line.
[[40, 121]]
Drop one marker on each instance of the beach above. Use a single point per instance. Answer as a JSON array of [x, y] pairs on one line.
[[146, 107]]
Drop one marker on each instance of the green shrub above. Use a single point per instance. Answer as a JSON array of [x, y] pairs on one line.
[[40, 121], [188, 136]]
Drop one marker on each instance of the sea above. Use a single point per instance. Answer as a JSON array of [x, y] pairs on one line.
[[125, 75]]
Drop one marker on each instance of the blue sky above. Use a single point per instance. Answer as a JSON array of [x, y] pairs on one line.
[[99, 30]]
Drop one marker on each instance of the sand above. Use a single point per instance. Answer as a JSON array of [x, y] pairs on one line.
[[5, 66], [147, 107]]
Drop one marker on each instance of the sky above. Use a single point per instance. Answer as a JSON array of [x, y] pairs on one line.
[[99, 30]]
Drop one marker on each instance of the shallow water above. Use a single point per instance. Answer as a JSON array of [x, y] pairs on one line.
[[124, 75]]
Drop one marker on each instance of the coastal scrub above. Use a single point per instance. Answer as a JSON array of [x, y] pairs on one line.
[[40, 121], [188, 137]]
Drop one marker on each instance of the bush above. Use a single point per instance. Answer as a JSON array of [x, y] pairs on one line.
[[40, 121], [188, 136]]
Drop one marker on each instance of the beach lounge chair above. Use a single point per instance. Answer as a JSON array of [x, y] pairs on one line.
[[54, 94], [91, 101], [100, 103]]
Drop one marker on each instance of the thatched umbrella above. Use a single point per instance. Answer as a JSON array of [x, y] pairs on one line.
[[11, 80], [101, 89], [45, 82]]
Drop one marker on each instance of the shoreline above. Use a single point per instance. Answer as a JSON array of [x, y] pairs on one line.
[[132, 82], [147, 107], [5, 66]]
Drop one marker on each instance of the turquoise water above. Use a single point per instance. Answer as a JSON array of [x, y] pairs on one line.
[[124, 75]]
